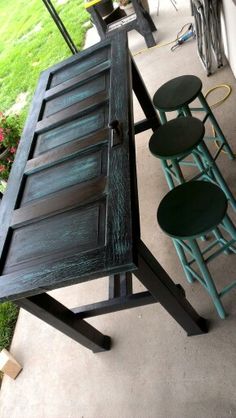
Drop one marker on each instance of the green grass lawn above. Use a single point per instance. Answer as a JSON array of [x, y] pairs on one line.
[[8, 317], [30, 42]]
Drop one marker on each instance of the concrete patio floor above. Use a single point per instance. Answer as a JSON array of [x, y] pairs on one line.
[[153, 369]]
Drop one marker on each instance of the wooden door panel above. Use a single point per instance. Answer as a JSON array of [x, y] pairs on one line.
[[67, 150], [73, 112], [64, 174], [79, 230], [73, 69], [78, 80], [66, 216], [75, 95], [72, 130]]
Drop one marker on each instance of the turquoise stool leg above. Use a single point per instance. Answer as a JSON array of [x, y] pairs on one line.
[[220, 180], [221, 240], [210, 285], [163, 117], [179, 113], [168, 177], [198, 162], [229, 226], [187, 112], [183, 261], [178, 172], [217, 128]]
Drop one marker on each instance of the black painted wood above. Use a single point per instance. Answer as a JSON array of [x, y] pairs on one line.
[[64, 320], [192, 209], [77, 80], [140, 21], [126, 286], [177, 93], [72, 67], [152, 275], [120, 285], [70, 213], [176, 138], [114, 305], [144, 125], [144, 99]]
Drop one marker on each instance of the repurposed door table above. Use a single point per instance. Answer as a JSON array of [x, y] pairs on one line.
[[70, 212]]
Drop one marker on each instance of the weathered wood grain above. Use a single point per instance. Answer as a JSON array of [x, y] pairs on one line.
[[79, 229], [72, 112], [61, 318], [75, 95], [64, 174], [66, 151], [78, 195], [77, 80], [70, 213], [76, 67], [73, 130], [72, 178]]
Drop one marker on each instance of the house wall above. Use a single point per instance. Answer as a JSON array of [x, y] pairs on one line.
[[229, 32]]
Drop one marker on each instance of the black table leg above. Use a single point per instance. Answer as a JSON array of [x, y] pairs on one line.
[[145, 101], [54, 313], [170, 296]]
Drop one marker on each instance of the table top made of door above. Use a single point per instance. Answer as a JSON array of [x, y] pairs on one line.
[[70, 212]]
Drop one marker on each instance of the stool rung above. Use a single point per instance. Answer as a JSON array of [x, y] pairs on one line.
[[203, 175], [225, 247], [205, 117], [196, 275], [172, 173], [187, 163], [232, 248], [210, 138], [180, 160], [210, 246], [184, 245], [218, 152], [226, 230], [226, 289], [196, 109]]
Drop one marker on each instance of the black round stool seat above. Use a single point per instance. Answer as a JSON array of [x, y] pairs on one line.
[[178, 92], [192, 209], [176, 137]]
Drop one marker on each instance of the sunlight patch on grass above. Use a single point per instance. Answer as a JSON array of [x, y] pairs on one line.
[[20, 103], [36, 29]]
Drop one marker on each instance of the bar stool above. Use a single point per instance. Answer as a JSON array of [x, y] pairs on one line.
[[188, 212], [177, 94], [178, 139]]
